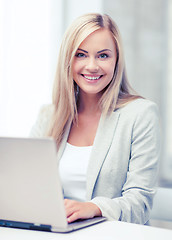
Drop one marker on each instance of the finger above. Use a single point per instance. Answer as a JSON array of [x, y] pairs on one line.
[[70, 207], [73, 217], [69, 212], [68, 202]]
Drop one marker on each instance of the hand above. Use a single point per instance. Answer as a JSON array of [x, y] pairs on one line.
[[80, 210]]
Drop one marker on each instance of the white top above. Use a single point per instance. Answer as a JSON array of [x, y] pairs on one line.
[[73, 170]]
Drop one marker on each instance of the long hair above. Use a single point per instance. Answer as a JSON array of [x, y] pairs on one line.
[[116, 94]]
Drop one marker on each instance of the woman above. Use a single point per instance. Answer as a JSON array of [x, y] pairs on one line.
[[107, 137]]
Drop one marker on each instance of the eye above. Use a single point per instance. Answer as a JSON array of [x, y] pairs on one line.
[[80, 55], [103, 55]]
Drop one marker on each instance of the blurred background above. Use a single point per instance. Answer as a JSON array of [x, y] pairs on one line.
[[30, 36]]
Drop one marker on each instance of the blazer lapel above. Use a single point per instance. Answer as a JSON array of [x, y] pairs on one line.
[[63, 143], [102, 143]]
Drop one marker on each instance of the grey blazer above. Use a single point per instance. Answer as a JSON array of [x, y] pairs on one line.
[[123, 167]]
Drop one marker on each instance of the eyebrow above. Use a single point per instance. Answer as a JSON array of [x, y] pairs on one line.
[[97, 52], [104, 50]]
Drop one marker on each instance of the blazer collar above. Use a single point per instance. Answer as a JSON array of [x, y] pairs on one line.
[[102, 143]]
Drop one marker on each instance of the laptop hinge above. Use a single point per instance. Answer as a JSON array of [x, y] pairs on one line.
[[31, 226], [41, 227]]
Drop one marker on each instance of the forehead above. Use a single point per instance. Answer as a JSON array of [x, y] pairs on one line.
[[101, 38]]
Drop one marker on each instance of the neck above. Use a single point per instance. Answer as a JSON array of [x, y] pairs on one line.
[[88, 103]]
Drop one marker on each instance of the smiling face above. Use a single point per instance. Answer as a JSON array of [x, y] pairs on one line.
[[94, 62]]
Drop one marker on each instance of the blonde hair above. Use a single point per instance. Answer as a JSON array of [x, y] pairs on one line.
[[116, 94]]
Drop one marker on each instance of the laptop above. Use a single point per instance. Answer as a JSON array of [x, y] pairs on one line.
[[30, 190]]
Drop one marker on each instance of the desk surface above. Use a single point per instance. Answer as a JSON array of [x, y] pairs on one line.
[[109, 230]]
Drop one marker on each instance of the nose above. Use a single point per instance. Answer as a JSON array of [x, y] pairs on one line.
[[92, 65]]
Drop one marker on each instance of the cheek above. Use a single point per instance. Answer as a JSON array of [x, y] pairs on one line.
[[77, 66], [77, 70], [74, 70], [109, 69]]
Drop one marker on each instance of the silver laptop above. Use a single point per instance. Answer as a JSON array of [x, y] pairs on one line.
[[30, 190]]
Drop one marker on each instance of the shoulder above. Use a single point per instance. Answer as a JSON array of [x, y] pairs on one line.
[[46, 111], [139, 113], [43, 120], [139, 107], [45, 114]]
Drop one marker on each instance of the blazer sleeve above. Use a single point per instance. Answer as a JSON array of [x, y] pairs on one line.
[[136, 198]]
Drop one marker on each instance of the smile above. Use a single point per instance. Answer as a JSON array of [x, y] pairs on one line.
[[92, 77]]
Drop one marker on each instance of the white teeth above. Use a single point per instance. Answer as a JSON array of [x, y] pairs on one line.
[[91, 78]]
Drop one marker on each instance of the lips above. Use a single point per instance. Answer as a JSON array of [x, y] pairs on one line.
[[91, 77]]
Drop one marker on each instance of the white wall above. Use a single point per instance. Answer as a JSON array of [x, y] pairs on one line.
[[75, 8], [168, 153], [30, 36]]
